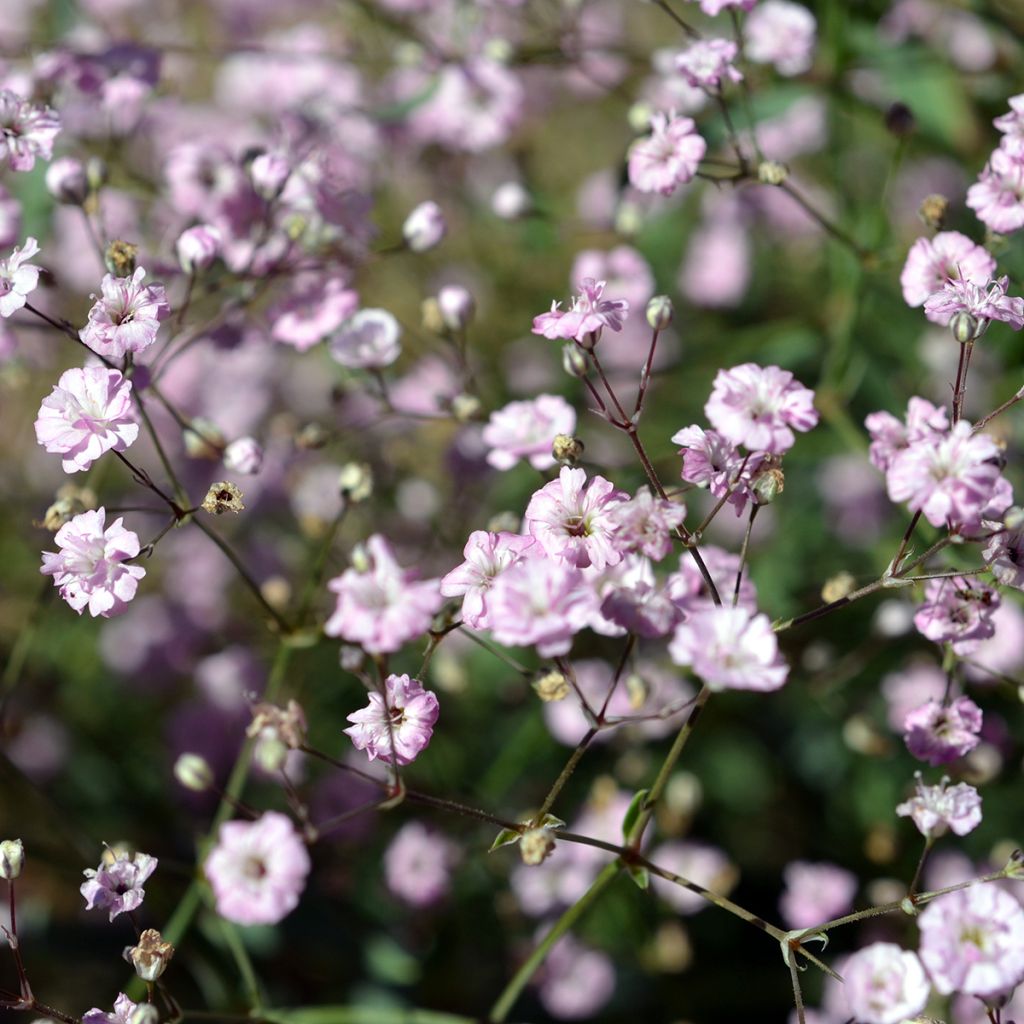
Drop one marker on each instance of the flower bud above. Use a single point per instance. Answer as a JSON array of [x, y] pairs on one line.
[[197, 247], [504, 522], [933, 211], [837, 587], [144, 1013], [629, 218], [222, 497], [566, 450], [456, 306], [66, 181], [768, 485], [899, 119], [12, 856], [465, 407], [659, 312], [356, 481], [639, 116], [269, 172], [510, 201], [964, 327], [574, 362], [151, 956], [359, 559], [424, 227], [193, 772], [551, 686], [1015, 865], [771, 172], [430, 314], [244, 456], [1014, 517], [637, 690], [203, 440], [96, 173], [119, 258], [536, 846], [311, 437]]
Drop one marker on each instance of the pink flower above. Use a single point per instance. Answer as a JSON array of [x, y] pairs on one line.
[[487, 556], [759, 407], [932, 262], [244, 455], [713, 7], [985, 302], [18, 279], [1005, 555], [938, 809], [541, 603], [402, 721], [588, 314], [885, 984], [889, 437], [257, 869], [127, 317], [90, 569], [706, 865], [781, 33], [998, 195], [646, 524], [716, 270], [705, 63], [957, 611], [939, 733], [381, 606], [972, 941], [815, 893], [418, 864], [1012, 124], [424, 227], [123, 1009], [576, 981], [709, 460], [526, 430], [116, 885], [636, 602], [572, 520], [316, 306], [950, 479], [197, 247], [668, 157], [730, 649], [367, 340], [689, 591], [26, 131], [88, 413]]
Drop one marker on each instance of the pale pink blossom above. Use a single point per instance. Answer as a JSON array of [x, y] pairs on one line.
[[688, 589], [885, 984], [948, 256], [705, 63], [589, 313], [760, 407], [699, 862], [400, 722], [88, 413], [526, 430], [123, 1010], [316, 306], [197, 247], [972, 941], [27, 131], [713, 7], [1012, 123], [116, 885], [572, 519], [716, 270], [997, 197], [418, 864], [781, 33], [938, 809], [668, 157], [18, 278], [424, 227], [985, 302], [939, 733], [487, 556], [957, 610], [635, 602], [950, 479], [126, 317], [712, 461], [244, 455], [815, 893], [367, 340], [258, 869], [645, 523], [889, 437], [576, 981], [382, 606], [91, 569], [730, 649]]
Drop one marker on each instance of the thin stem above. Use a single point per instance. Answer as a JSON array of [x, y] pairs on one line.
[[179, 491], [928, 843], [244, 963], [960, 388], [645, 377], [687, 28], [565, 774], [998, 411], [743, 554], [833, 229]]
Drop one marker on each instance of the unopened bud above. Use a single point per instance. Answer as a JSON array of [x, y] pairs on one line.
[[1015, 865], [456, 306], [839, 586], [151, 956], [193, 772], [430, 315], [639, 116], [637, 690], [933, 210], [768, 485], [465, 407], [629, 218], [144, 1013], [96, 173], [119, 258], [899, 119], [69, 502], [12, 856], [566, 450], [551, 686], [1014, 518], [268, 173], [511, 201], [270, 754], [504, 522], [66, 181], [536, 846], [222, 497], [360, 558], [574, 362], [203, 440], [197, 247], [771, 172], [311, 437], [424, 227], [244, 456], [964, 327], [356, 481], [659, 312]]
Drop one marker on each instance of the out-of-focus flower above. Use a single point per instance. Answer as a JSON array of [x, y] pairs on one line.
[[418, 864], [947, 256], [526, 430], [316, 306], [424, 227], [400, 723], [67, 181], [126, 317], [18, 278], [576, 981], [998, 195], [706, 865], [781, 33], [116, 885], [123, 1009], [245, 455], [815, 893], [958, 611], [27, 131], [707, 62], [885, 984], [367, 340], [197, 247], [668, 157], [938, 733]]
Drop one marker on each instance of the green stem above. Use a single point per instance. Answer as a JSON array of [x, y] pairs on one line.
[[244, 964]]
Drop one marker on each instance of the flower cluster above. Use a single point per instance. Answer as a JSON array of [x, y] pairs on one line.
[[998, 195]]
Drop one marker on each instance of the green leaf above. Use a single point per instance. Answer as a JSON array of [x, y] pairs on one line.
[[632, 813], [550, 821], [641, 876], [504, 838]]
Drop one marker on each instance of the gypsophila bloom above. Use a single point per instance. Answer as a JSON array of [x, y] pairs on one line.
[[572, 520], [950, 479], [257, 869], [315, 305], [526, 430], [367, 340], [197, 247], [730, 649], [588, 314], [1004, 553], [123, 1009], [67, 181], [487, 555], [938, 733], [781, 33], [244, 456], [948, 256], [689, 591], [889, 437], [127, 316], [972, 941], [706, 62], [884, 984], [150, 956], [709, 460], [668, 157], [713, 7], [957, 610], [815, 893], [384, 606], [985, 301], [760, 407], [90, 569], [399, 723], [88, 413], [418, 864], [998, 195], [18, 279], [938, 809], [576, 981], [645, 523], [424, 227], [1012, 123], [116, 885], [26, 131]]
